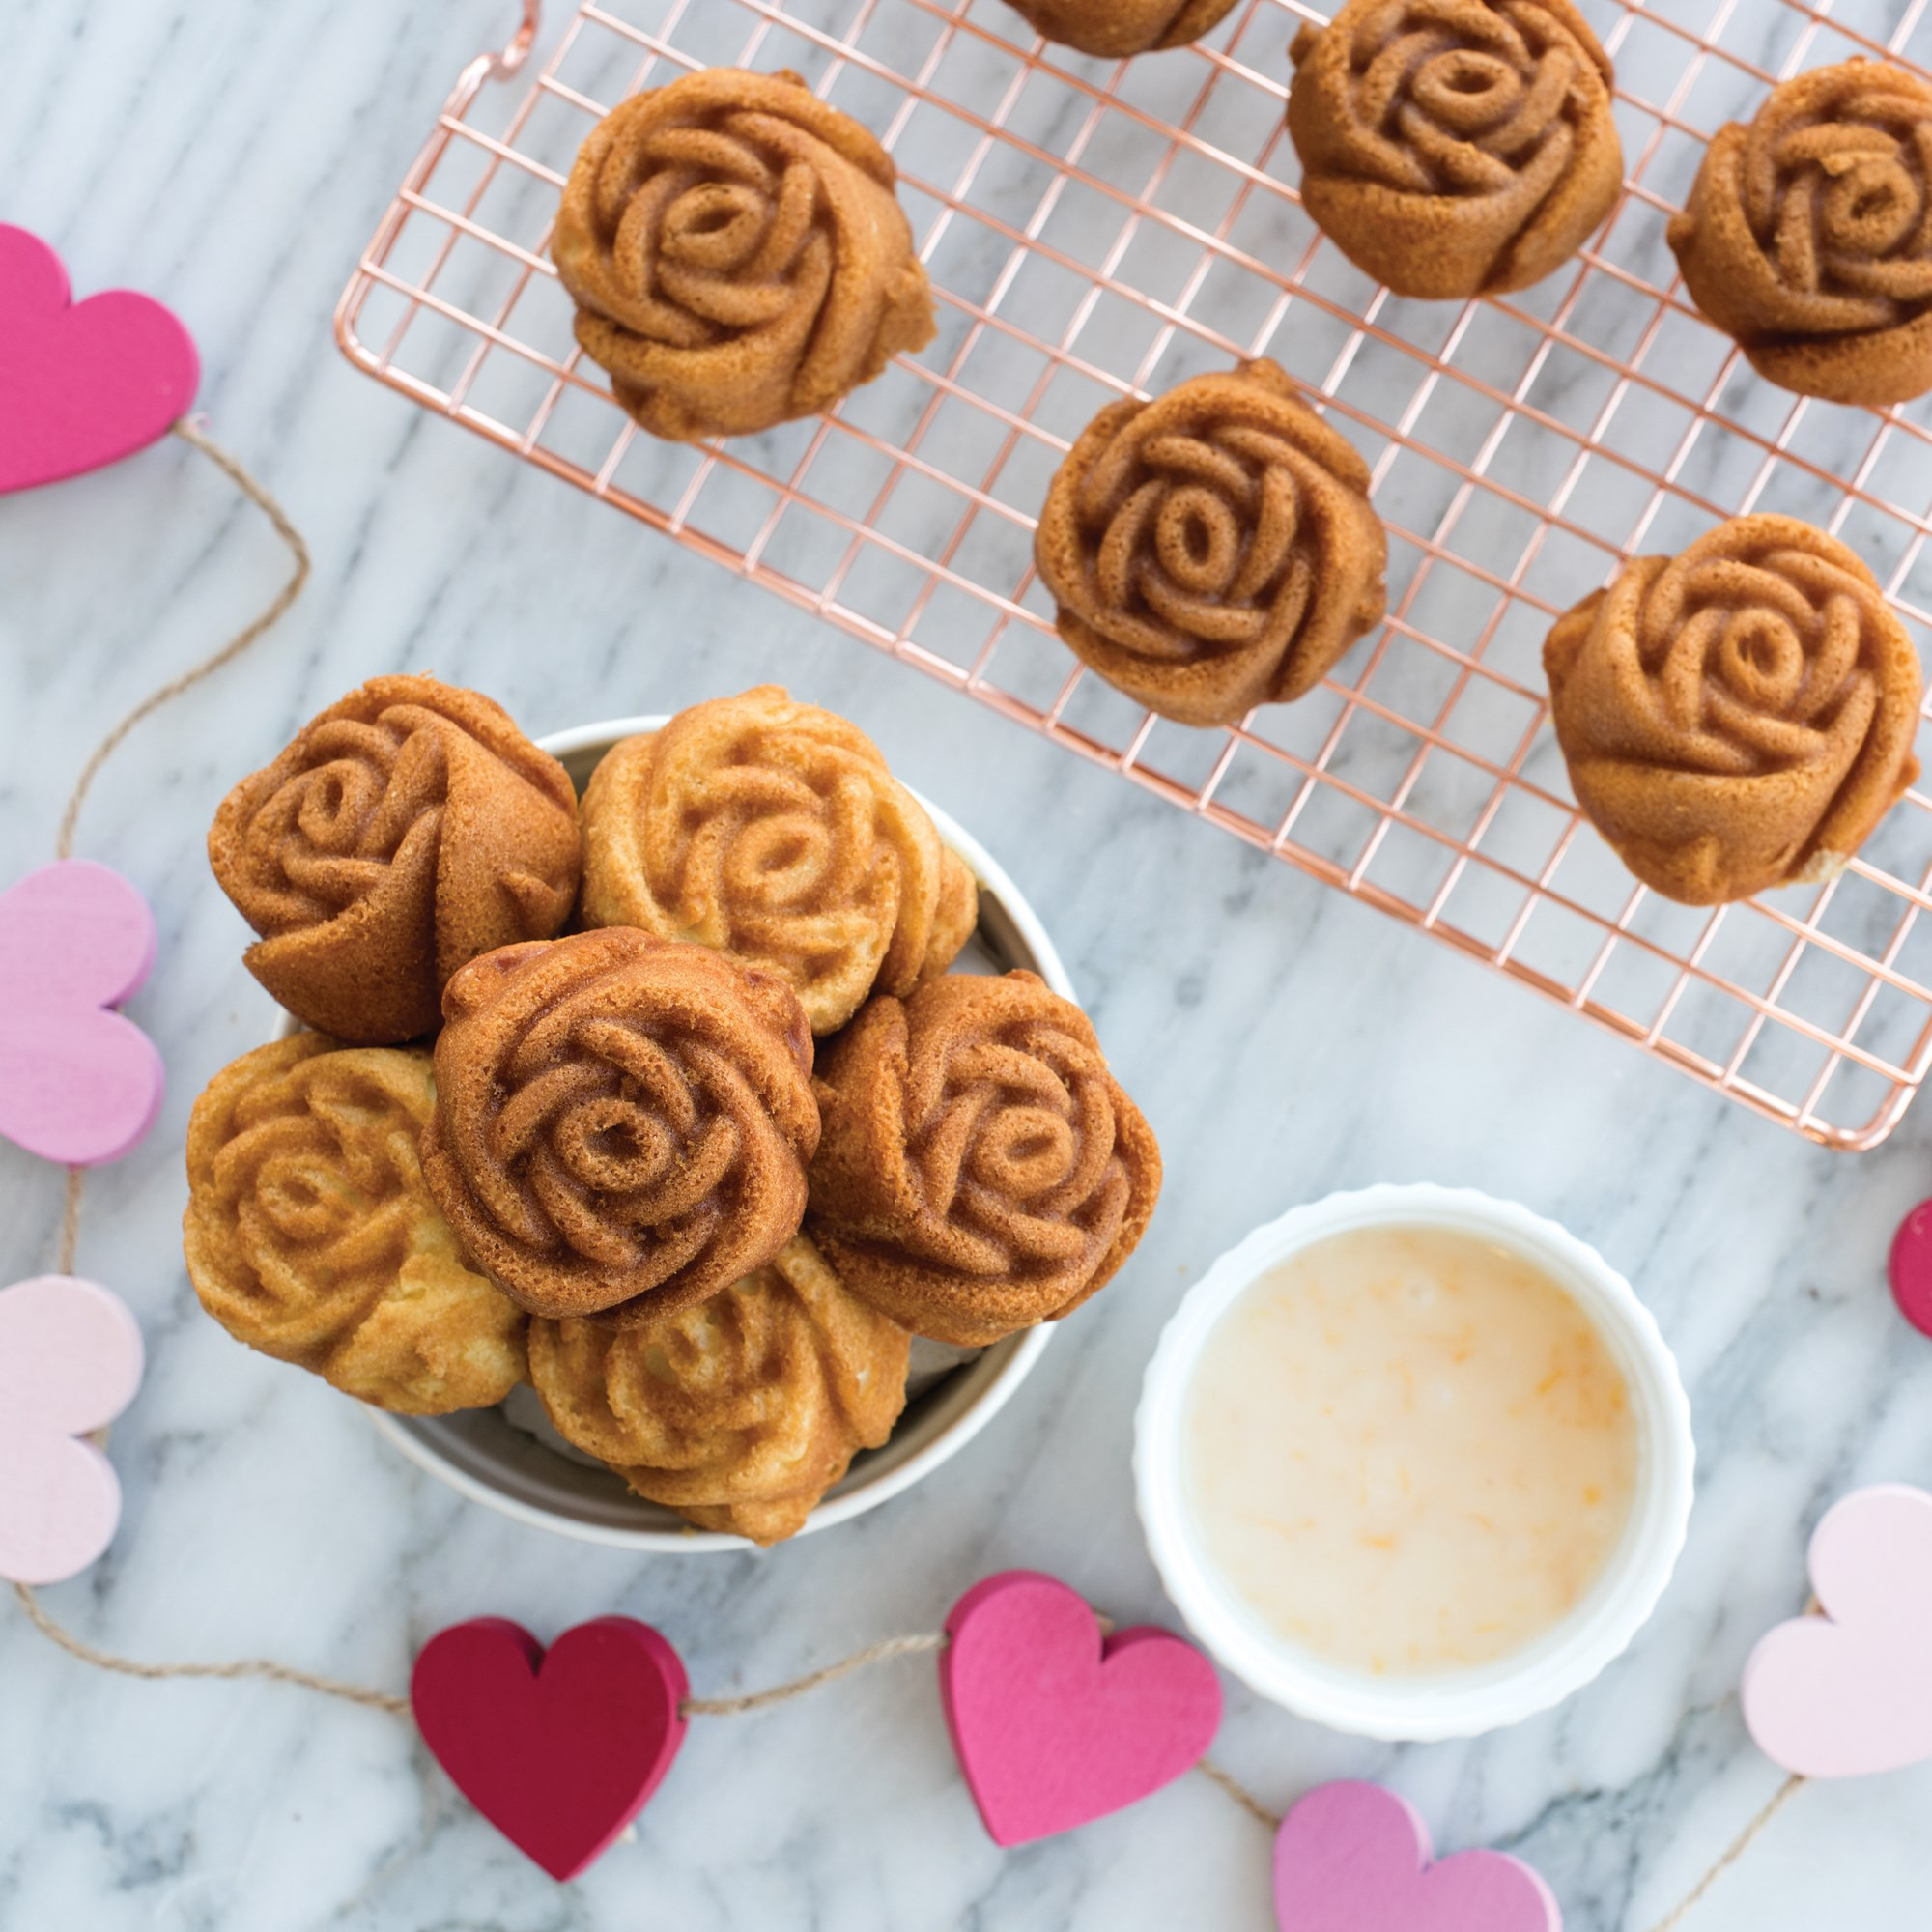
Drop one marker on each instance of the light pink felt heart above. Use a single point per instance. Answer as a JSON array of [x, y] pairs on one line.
[[1851, 1692], [1356, 1858], [69, 1363], [78, 1084], [1055, 1727], [81, 383], [558, 1749]]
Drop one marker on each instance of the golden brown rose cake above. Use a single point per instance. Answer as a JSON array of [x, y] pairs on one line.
[[1212, 550], [980, 1168], [738, 1413], [622, 1122], [772, 831], [1118, 28], [737, 255], [1808, 235], [1455, 147], [405, 830], [1738, 717], [310, 1236]]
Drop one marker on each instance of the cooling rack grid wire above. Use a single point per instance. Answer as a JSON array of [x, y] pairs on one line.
[[1093, 229]]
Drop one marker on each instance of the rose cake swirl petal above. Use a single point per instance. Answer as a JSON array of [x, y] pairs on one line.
[[406, 829], [1214, 549], [737, 255], [310, 1234], [622, 1122], [980, 1168], [772, 832], [1808, 234], [1739, 716], [739, 1413], [1455, 147]]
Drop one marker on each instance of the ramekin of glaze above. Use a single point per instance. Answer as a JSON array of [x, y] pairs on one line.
[[1415, 1463]]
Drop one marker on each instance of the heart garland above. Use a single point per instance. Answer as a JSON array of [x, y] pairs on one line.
[[82, 385], [1055, 1724]]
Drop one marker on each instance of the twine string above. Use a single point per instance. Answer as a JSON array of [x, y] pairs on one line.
[[247, 1666], [1214, 1774], [886, 1651], [883, 1652], [70, 1228], [273, 614], [1736, 1850]]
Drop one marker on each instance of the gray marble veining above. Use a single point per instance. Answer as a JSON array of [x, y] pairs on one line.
[[1283, 1041]]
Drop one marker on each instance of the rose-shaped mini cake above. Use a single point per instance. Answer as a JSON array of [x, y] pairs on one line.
[[622, 1122], [1119, 28], [310, 1236], [980, 1168], [772, 831], [1808, 235], [737, 255], [406, 829], [1212, 550], [741, 1412], [1738, 717], [1455, 147]]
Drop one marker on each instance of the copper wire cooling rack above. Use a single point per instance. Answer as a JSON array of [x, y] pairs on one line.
[[1093, 229]]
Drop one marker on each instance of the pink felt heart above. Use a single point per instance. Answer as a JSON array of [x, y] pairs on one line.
[[81, 383], [1355, 1857], [78, 1084], [1851, 1692], [69, 1363], [1055, 1727], [558, 1749]]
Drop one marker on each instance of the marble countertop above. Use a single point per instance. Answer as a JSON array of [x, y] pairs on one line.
[[1283, 1041]]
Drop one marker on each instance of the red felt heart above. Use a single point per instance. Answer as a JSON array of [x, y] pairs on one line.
[[561, 1750], [81, 383], [1055, 1727]]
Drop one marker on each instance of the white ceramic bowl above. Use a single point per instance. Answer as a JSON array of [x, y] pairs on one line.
[[490, 1460], [1463, 1703]]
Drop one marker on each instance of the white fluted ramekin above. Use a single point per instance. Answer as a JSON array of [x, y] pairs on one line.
[[1462, 1703]]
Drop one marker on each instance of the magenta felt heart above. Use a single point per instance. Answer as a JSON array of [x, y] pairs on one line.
[[1355, 1857], [81, 383], [1909, 1266], [558, 1749], [78, 1084], [1054, 1726], [69, 1363], [1851, 1692]]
